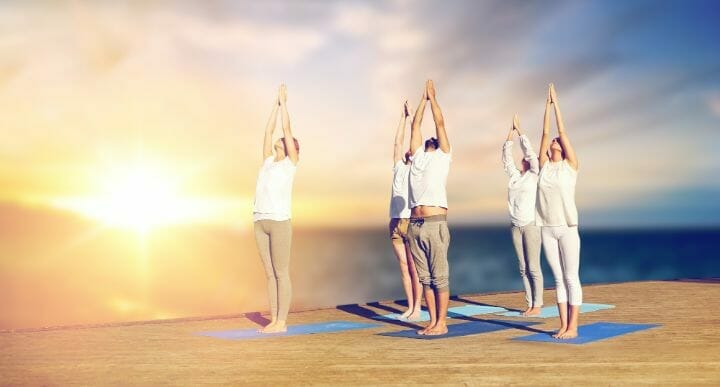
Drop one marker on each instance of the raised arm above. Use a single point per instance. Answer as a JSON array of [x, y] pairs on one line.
[[564, 139], [545, 140], [287, 133], [528, 152], [269, 129], [400, 134], [438, 117], [415, 134], [507, 157]]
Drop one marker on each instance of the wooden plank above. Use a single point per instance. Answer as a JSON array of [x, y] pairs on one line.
[[683, 351]]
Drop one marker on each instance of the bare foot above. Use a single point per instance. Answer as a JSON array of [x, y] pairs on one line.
[[569, 334], [532, 312], [277, 328], [427, 328], [406, 314], [437, 330], [414, 316], [526, 311], [269, 326], [560, 332]]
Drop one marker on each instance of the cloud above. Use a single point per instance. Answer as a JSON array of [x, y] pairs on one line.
[[256, 41], [713, 103], [193, 82]]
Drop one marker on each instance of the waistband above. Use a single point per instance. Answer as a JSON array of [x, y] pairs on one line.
[[434, 218]]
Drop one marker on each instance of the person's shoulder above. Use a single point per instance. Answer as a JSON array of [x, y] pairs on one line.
[[289, 161], [566, 165], [444, 155], [285, 163], [400, 165], [268, 161]]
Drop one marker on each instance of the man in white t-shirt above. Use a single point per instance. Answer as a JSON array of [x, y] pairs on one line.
[[522, 194], [428, 231]]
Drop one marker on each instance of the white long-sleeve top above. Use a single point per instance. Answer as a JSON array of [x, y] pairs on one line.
[[522, 187], [556, 195]]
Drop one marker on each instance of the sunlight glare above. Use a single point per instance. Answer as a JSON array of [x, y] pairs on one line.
[[139, 198]]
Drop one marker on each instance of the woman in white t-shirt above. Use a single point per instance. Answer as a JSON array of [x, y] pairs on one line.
[[400, 218], [558, 217], [271, 213]]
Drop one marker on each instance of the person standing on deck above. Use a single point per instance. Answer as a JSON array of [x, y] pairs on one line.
[[557, 214], [399, 219], [428, 231], [271, 213], [522, 191]]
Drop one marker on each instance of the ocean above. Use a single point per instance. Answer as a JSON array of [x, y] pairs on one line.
[[482, 259], [83, 275]]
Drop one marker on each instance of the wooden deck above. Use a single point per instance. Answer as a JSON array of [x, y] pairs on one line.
[[685, 350]]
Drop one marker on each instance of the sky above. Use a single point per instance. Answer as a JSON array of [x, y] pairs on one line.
[[185, 88], [132, 115]]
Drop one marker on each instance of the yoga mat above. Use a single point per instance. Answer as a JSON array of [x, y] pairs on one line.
[[454, 312], [552, 311], [293, 330], [464, 329], [591, 332]]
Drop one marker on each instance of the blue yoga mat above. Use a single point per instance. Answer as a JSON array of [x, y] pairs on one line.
[[464, 329], [293, 330], [552, 311], [454, 312], [591, 332]]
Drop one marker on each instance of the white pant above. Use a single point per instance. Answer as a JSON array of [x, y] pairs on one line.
[[562, 251]]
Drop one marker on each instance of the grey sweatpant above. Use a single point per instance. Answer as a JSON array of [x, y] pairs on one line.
[[273, 241], [527, 241], [429, 242]]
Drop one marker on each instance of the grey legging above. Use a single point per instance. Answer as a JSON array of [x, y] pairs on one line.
[[273, 241], [527, 243]]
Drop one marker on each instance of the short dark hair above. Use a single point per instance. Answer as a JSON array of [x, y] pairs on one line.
[[408, 156], [432, 141]]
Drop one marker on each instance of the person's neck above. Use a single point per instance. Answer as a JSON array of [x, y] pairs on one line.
[[556, 156]]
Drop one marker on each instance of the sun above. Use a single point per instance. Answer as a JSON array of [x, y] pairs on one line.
[[142, 199], [138, 197]]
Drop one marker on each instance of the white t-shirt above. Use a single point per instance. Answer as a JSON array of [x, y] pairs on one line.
[[522, 188], [556, 195], [399, 205], [273, 192], [428, 178]]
